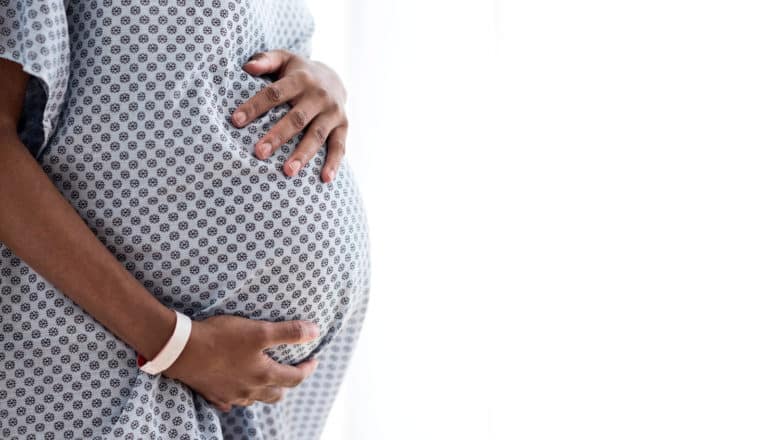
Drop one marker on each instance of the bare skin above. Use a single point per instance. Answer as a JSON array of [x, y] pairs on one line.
[[45, 231], [317, 97]]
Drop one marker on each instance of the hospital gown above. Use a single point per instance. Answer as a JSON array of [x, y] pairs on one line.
[[128, 113]]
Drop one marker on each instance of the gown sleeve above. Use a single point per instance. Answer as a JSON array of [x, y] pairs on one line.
[[34, 34]]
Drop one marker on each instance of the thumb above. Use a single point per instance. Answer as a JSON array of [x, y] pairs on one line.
[[286, 332], [266, 62]]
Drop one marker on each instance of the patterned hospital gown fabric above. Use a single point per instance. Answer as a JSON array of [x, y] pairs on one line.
[[128, 113]]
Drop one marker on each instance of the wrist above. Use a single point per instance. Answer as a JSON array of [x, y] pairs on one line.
[[171, 349], [155, 331], [192, 351]]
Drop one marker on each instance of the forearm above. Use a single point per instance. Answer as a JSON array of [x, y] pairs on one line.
[[45, 231]]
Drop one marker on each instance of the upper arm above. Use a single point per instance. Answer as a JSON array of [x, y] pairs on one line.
[[12, 88]]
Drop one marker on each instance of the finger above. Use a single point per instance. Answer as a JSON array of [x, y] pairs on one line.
[[221, 405], [243, 402], [290, 375], [279, 392], [269, 333], [267, 62], [279, 92], [270, 394], [311, 142], [292, 123], [335, 150], [266, 393]]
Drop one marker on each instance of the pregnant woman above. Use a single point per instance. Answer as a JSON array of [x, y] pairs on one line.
[[164, 160]]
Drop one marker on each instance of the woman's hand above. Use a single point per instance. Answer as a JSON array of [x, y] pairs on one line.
[[224, 360], [317, 96]]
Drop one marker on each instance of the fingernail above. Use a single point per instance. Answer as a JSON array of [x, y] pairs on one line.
[[331, 175], [314, 331], [239, 117], [264, 149], [294, 166]]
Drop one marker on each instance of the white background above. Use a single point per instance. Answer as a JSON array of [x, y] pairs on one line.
[[569, 207]]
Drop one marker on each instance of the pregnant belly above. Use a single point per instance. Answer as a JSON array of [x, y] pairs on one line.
[[210, 229]]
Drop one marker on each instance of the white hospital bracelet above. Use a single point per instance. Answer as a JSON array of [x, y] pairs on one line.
[[173, 348]]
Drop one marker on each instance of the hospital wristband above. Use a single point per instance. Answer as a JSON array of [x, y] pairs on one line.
[[173, 348]]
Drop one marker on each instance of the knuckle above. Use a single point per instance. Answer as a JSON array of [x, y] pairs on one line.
[[276, 394], [296, 330], [273, 93], [298, 118], [261, 333], [320, 133], [254, 103], [267, 377], [276, 138], [260, 376], [323, 94], [303, 76]]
